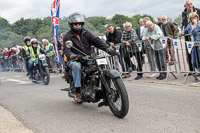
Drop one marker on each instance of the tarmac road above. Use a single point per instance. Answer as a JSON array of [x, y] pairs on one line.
[[155, 107]]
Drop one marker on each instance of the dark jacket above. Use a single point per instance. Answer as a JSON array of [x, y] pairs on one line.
[[87, 39], [185, 17], [59, 45], [171, 30], [138, 32], [13, 54], [160, 24], [115, 37], [25, 54]]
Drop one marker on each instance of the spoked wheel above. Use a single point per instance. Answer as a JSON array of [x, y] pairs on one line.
[[118, 100], [46, 76]]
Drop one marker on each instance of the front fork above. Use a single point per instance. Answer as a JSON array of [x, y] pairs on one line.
[[105, 83]]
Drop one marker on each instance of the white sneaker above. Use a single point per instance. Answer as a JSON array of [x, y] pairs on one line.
[[151, 75]]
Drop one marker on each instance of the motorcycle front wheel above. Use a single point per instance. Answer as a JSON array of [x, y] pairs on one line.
[[46, 76], [118, 100]]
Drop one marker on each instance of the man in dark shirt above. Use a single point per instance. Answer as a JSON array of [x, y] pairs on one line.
[[114, 38]]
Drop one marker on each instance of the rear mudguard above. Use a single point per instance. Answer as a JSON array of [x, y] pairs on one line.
[[113, 73]]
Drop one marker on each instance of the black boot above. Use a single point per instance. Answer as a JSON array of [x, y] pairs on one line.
[[163, 76]]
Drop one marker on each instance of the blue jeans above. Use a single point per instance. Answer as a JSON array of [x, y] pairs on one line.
[[120, 57], [30, 66], [76, 72], [196, 57], [26, 64], [14, 63]]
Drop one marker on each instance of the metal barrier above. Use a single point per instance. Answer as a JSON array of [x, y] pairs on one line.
[[12, 64], [142, 60], [185, 57]]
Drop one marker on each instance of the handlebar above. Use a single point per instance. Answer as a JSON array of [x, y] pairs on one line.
[[90, 58]]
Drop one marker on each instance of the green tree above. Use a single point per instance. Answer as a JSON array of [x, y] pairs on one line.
[[63, 26], [118, 20], [8, 38], [97, 23], [4, 24], [178, 21], [44, 33]]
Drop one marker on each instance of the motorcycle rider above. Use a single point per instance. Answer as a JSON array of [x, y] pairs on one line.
[[26, 52], [34, 50], [82, 39], [50, 50]]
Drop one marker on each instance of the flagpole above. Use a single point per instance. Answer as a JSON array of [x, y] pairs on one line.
[[55, 22]]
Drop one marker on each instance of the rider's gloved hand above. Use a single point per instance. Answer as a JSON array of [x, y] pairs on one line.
[[28, 57], [78, 57], [111, 51], [81, 57]]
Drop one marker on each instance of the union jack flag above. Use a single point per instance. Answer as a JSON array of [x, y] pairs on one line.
[[55, 8]]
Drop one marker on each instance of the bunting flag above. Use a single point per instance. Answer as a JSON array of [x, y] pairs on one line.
[[175, 43], [139, 45], [55, 8], [117, 47], [190, 45], [163, 40]]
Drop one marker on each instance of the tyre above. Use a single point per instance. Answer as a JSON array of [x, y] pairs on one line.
[[118, 100], [34, 75], [46, 76]]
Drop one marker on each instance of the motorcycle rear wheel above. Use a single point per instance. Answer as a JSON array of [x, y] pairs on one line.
[[118, 95]]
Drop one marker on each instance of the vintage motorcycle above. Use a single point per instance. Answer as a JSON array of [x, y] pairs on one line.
[[40, 70], [99, 82]]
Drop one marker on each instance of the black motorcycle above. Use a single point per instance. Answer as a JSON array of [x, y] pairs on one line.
[[41, 70], [99, 82]]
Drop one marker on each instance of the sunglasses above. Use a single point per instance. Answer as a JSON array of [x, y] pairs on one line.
[[193, 17], [78, 24]]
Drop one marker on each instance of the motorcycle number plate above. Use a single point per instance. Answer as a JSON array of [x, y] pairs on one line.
[[102, 61], [42, 57]]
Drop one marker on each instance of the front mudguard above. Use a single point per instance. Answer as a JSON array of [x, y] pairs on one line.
[[44, 63], [113, 73]]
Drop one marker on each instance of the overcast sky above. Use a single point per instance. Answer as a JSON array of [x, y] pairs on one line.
[[13, 10]]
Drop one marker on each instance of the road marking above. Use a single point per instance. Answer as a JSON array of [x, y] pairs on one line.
[[18, 81], [3, 77], [17, 76]]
